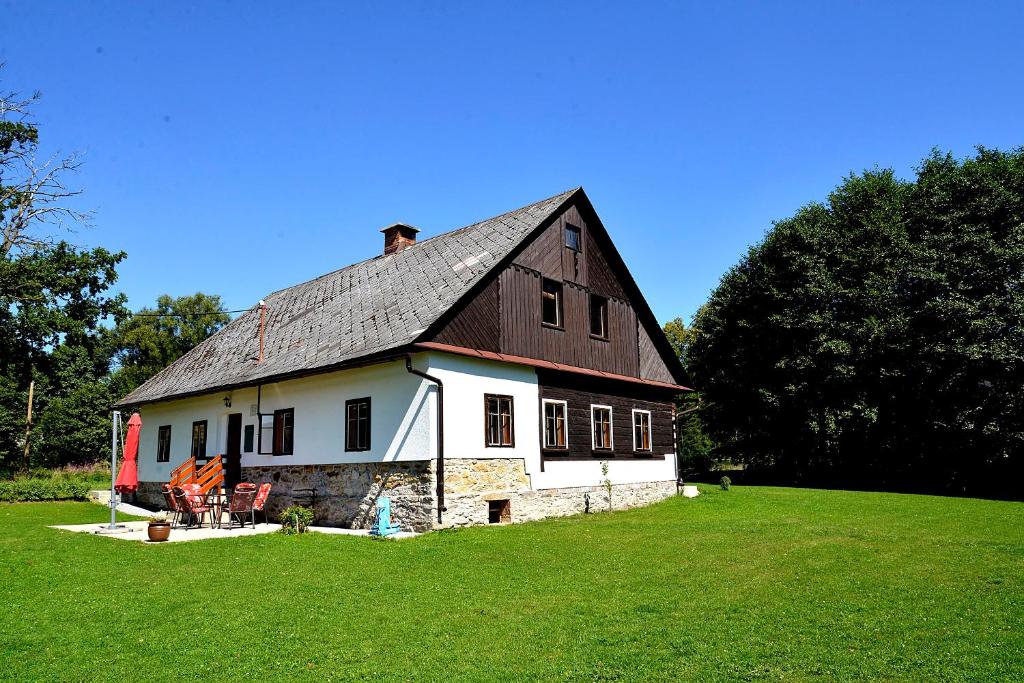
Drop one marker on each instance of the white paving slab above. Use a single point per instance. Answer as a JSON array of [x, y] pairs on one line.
[[136, 531]]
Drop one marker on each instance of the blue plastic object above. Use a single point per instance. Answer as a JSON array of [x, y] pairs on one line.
[[382, 525]]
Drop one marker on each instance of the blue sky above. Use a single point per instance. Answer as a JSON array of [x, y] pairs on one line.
[[237, 148]]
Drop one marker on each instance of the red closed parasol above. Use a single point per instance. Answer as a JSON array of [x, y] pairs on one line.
[[128, 477]]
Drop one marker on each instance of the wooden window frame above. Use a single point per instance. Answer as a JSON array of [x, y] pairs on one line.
[[650, 431], [261, 427], [358, 448], [511, 420], [163, 448], [280, 447], [249, 438], [569, 227], [594, 407], [544, 423], [603, 313], [206, 437], [559, 303]]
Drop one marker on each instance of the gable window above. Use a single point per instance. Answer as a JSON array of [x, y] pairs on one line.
[[163, 444], [277, 432], [641, 430], [498, 412], [601, 427], [551, 295], [199, 439], [598, 316], [572, 237], [555, 435], [357, 424]]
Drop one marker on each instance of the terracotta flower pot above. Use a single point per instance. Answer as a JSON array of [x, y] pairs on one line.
[[159, 531]]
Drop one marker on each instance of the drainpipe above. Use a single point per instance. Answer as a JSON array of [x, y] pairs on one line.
[[440, 433], [263, 314]]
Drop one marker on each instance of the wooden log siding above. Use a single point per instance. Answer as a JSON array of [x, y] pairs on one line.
[[505, 316], [522, 333], [601, 277], [478, 325], [548, 254], [581, 395]]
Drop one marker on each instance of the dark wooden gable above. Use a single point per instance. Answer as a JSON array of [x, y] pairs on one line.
[[504, 313]]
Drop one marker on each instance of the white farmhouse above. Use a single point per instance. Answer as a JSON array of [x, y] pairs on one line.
[[483, 375]]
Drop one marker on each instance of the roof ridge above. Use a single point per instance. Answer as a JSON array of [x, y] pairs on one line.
[[447, 233], [367, 307]]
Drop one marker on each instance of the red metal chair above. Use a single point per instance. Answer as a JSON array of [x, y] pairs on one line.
[[260, 503], [171, 503], [241, 505], [193, 503]]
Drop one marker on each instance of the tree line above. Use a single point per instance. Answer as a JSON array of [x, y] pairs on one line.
[[875, 340], [69, 348]]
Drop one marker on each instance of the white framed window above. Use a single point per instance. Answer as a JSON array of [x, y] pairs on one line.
[[556, 431], [642, 430], [601, 428]]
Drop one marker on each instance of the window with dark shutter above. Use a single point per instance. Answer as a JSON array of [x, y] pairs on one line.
[[357, 424], [163, 444], [498, 420], [284, 431], [551, 302]]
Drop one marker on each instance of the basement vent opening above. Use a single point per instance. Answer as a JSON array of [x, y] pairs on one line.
[[499, 512]]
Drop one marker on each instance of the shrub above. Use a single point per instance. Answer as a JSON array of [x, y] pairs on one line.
[[38, 489], [725, 483], [295, 519]]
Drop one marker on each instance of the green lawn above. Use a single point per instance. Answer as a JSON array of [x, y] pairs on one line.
[[753, 583]]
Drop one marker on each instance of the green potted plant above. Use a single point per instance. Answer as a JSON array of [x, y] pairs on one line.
[[159, 528]]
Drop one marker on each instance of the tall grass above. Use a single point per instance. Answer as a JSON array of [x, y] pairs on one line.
[[71, 482]]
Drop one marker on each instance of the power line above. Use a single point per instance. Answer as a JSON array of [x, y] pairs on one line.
[[27, 300], [185, 315]]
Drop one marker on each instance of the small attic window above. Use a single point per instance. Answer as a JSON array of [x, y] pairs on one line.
[[572, 237]]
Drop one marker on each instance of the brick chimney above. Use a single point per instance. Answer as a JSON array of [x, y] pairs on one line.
[[397, 237]]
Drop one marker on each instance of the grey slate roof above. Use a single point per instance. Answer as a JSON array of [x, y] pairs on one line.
[[367, 308]]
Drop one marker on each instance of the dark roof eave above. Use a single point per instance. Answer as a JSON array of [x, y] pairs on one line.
[[546, 365], [362, 361]]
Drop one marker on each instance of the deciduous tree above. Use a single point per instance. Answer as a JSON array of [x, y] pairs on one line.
[[878, 339]]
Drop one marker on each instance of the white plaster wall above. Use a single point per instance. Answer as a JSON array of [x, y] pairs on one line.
[[584, 473], [466, 380], [401, 423]]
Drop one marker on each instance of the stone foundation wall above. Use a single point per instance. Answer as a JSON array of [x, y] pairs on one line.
[[345, 495], [470, 485], [149, 495]]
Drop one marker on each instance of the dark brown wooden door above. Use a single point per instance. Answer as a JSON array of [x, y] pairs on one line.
[[233, 456]]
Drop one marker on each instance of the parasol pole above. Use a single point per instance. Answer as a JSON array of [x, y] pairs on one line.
[[114, 527]]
